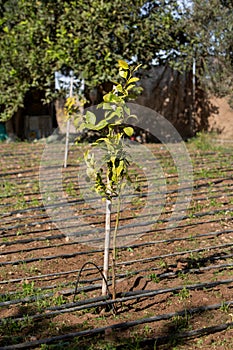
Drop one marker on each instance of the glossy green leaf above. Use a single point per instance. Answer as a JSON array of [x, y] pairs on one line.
[[132, 80], [128, 131], [90, 117], [123, 74], [122, 64], [102, 124]]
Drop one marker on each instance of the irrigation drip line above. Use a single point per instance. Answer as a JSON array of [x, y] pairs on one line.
[[184, 252], [133, 246], [25, 218], [152, 341], [60, 236], [81, 201], [29, 224], [128, 296], [46, 258], [43, 230], [131, 297], [29, 299], [49, 247], [142, 260], [93, 287], [77, 201], [140, 178], [215, 182], [77, 188], [83, 225], [44, 238], [20, 171], [97, 286], [87, 241], [145, 223], [162, 340], [193, 270], [163, 275], [45, 276], [161, 154]]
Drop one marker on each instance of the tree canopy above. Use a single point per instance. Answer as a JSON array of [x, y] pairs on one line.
[[87, 37], [39, 38], [208, 25]]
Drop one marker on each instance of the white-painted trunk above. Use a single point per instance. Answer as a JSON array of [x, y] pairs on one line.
[[67, 142], [68, 126], [106, 245]]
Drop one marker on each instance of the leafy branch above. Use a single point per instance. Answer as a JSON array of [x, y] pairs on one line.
[[110, 179]]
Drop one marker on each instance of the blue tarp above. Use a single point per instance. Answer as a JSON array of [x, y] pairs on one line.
[[3, 134]]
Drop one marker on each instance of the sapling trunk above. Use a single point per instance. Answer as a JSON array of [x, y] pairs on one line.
[[109, 184], [114, 250], [106, 245]]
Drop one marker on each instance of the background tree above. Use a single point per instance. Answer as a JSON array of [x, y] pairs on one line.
[[41, 37], [208, 27]]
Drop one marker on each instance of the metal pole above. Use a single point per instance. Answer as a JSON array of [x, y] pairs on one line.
[[194, 93], [68, 125]]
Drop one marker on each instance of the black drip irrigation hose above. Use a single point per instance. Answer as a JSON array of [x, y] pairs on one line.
[[163, 275], [81, 201], [180, 335], [133, 246], [103, 278], [79, 276], [127, 226], [42, 208], [129, 324], [158, 230], [15, 212], [74, 254], [141, 179], [34, 239], [97, 286], [168, 192], [20, 171], [78, 306]]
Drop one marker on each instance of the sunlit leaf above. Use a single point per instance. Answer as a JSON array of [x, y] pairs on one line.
[[123, 64], [90, 117], [128, 131]]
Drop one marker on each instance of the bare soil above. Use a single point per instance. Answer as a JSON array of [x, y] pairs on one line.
[[221, 121], [174, 288]]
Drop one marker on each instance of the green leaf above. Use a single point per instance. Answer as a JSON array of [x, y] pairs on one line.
[[128, 131], [120, 168], [90, 118], [111, 97], [123, 74], [123, 64], [132, 80], [102, 124], [119, 88], [136, 68]]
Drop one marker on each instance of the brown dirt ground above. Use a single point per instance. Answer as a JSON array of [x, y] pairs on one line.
[[175, 270], [222, 121]]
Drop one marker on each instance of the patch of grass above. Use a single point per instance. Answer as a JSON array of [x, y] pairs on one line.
[[203, 142], [183, 294]]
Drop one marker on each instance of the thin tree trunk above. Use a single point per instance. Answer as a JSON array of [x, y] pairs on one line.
[[107, 245], [114, 251], [68, 126]]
